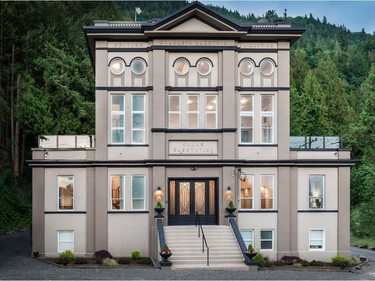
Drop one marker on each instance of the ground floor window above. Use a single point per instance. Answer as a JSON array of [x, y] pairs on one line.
[[316, 239], [65, 240], [138, 192], [248, 237], [266, 239]]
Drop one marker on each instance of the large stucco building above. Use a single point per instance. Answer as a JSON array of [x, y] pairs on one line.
[[195, 104]]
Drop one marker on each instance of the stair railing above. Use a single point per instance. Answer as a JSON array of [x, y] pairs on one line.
[[204, 241]]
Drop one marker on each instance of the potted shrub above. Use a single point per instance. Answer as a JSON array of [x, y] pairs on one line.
[[250, 253], [159, 208], [165, 252], [230, 209]]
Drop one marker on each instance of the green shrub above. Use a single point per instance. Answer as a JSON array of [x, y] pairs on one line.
[[304, 263], [109, 262], [144, 261], [259, 259], [67, 255], [136, 254], [341, 261], [80, 260], [317, 263], [268, 262], [98, 261], [279, 263], [123, 260], [297, 265]]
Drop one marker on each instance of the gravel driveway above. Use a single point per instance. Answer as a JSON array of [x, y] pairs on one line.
[[16, 263]]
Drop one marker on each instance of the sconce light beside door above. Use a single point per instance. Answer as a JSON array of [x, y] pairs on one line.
[[158, 195], [228, 194]]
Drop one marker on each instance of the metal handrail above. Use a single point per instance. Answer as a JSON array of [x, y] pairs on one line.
[[204, 241]]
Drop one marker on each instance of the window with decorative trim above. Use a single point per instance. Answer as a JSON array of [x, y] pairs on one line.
[[267, 119], [192, 111], [316, 191], [316, 239], [247, 119], [65, 192], [266, 240], [138, 192], [246, 192], [65, 240]]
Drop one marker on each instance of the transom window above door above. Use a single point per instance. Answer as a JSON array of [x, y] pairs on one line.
[[192, 111]]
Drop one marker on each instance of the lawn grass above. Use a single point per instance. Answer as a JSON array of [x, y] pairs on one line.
[[369, 241]]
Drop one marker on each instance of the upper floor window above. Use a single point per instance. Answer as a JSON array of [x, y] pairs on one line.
[[246, 67], [138, 66], [66, 194], [128, 119], [247, 118], [181, 66], [204, 66], [267, 119], [266, 191], [192, 111], [316, 191], [267, 67], [246, 191], [117, 66]]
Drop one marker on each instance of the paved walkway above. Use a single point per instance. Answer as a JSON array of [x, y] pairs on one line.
[[16, 263]]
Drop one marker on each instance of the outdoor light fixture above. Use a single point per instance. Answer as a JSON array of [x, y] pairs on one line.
[[228, 194], [158, 194]]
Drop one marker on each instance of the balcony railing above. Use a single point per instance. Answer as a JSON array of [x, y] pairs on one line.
[[315, 142], [50, 141]]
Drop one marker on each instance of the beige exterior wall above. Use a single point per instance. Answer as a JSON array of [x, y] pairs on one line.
[[128, 232]]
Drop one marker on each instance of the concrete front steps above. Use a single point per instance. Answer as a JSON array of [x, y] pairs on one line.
[[186, 247]]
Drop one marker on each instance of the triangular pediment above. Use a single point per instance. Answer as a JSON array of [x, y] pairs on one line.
[[196, 18]]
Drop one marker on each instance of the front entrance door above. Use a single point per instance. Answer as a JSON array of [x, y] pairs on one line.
[[188, 196]]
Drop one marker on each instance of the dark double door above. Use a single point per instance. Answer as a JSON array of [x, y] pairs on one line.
[[190, 196]]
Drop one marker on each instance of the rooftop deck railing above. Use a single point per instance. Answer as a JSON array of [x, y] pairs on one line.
[[315, 142], [53, 141]]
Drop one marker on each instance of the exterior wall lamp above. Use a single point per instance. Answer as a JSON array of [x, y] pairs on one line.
[[158, 194], [228, 194]]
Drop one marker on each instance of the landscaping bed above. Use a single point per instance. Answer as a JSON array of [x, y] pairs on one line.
[[143, 262]]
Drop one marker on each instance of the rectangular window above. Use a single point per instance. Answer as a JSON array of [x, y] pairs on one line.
[[266, 119], [246, 191], [266, 191], [118, 119], [138, 119], [193, 111], [248, 237], [138, 192], [66, 194], [247, 118], [118, 192], [316, 239], [266, 239], [316, 191], [211, 112], [174, 111], [65, 240]]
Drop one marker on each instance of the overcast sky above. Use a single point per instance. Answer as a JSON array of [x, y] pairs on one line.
[[355, 15]]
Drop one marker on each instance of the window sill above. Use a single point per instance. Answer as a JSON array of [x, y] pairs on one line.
[[128, 212]]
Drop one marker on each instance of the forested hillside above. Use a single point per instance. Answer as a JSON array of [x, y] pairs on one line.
[[47, 87]]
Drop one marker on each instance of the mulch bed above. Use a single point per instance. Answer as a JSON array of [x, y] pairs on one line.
[[326, 268], [92, 264]]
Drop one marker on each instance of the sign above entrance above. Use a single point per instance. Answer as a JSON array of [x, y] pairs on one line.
[[193, 148]]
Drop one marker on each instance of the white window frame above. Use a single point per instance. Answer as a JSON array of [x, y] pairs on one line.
[[118, 113], [273, 191], [267, 114], [174, 111], [210, 112], [67, 241], [323, 239], [144, 118], [123, 188], [252, 177], [266, 240], [197, 112], [244, 113], [144, 193], [248, 241], [311, 197], [58, 193]]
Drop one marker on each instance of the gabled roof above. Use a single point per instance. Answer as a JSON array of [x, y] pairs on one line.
[[194, 21]]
